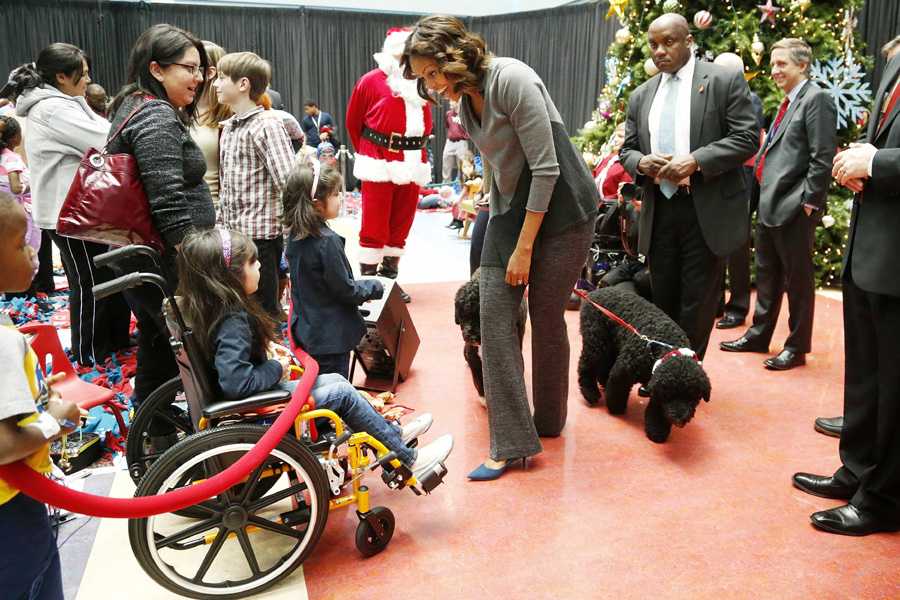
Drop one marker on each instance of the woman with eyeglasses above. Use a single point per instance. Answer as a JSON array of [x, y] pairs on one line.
[[166, 79], [61, 128]]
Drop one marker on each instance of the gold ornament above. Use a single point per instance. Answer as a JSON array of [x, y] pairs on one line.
[[623, 36], [757, 48], [617, 7]]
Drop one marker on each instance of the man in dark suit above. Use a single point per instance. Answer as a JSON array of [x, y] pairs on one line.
[[870, 440], [688, 132], [792, 176]]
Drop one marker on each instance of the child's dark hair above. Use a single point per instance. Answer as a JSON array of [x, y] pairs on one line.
[[210, 288], [164, 44], [9, 128], [468, 157], [10, 209], [300, 215], [53, 59]]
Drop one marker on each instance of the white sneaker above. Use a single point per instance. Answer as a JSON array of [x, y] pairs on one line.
[[415, 428], [431, 455]]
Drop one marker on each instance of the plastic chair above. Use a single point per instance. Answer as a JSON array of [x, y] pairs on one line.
[[72, 388]]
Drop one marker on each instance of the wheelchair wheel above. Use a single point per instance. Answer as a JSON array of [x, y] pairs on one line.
[[213, 556], [367, 542], [159, 423]]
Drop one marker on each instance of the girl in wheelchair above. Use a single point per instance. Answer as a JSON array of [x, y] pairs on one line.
[[218, 271]]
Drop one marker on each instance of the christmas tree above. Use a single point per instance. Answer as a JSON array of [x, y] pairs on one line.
[[748, 28]]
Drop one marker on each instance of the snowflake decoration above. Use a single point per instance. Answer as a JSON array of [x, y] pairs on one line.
[[843, 81]]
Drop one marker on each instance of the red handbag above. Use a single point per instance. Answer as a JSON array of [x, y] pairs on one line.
[[107, 203]]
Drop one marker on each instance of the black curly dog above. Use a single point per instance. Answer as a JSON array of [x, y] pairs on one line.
[[468, 317], [616, 358]]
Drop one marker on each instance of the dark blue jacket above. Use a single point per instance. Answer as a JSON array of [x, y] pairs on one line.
[[325, 297], [240, 358]]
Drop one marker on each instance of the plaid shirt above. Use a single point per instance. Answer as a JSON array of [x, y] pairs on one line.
[[255, 157]]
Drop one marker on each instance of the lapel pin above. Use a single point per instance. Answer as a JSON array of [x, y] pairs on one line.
[[701, 89]]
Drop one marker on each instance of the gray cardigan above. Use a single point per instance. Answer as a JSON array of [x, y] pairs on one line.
[[536, 167], [172, 167]]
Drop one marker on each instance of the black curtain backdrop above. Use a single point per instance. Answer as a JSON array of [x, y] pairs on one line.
[[316, 54], [879, 23], [320, 54]]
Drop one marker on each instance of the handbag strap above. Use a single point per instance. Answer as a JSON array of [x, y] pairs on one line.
[[125, 122]]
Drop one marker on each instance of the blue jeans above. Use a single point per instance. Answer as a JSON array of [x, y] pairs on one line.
[[334, 363], [29, 560], [333, 392]]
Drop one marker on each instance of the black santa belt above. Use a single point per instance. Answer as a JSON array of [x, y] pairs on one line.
[[394, 142]]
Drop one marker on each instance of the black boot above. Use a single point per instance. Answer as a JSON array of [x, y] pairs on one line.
[[389, 269], [365, 269]]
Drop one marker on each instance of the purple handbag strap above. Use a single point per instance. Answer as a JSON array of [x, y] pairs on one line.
[[125, 122]]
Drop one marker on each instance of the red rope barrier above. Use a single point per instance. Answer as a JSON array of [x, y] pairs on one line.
[[43, 489]]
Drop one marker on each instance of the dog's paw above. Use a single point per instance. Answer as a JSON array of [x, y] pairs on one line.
[[658, 437]]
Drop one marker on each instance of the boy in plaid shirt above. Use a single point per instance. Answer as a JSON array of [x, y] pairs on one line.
[[255, 157]]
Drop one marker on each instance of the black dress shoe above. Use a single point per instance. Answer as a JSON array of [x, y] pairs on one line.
[[729, 322], [742, 344], [823, 487], [643, 392], [786, 361], [830, 427], [847, 520]]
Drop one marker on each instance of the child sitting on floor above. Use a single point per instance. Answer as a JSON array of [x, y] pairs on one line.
[[218, 271], [31, 415]]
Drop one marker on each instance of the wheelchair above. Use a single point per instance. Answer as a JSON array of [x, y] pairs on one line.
[[256, 533]]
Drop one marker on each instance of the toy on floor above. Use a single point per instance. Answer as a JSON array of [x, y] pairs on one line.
[[617, 358]]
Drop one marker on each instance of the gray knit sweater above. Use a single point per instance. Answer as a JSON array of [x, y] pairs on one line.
[[536, 166], [172, 167]]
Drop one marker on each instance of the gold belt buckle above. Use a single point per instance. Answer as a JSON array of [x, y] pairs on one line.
[[391, 142]]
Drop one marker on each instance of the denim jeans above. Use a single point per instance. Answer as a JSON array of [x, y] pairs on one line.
[[333, 392], [29, 560], [334, 363]]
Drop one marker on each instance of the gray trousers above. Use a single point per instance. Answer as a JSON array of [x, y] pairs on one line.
[[450, 157], [514, 432]]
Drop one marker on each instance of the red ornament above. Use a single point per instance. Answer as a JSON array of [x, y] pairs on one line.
[[702, 19]]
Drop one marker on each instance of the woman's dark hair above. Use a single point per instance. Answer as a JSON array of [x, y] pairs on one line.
[[210, 289], [53, 59], [9, 127], [300, 215], [468, 157], [461, 55], [164, 44]]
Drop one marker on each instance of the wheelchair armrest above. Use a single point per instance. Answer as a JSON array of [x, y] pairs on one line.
[[254, 402]]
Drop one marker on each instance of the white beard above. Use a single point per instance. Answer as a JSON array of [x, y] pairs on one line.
[[402, 87]]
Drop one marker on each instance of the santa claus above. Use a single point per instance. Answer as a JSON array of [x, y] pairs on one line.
[[389, 125]]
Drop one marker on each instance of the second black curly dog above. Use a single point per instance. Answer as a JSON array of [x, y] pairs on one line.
[[615, 358]]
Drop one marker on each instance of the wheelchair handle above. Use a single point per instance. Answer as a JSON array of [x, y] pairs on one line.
[[118, 254], [126, 282]]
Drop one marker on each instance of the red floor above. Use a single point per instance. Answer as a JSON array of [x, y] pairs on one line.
[[605, 513]]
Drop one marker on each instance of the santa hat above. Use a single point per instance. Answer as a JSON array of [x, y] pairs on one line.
[[392, 49]]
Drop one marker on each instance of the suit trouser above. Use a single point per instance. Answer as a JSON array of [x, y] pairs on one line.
[[99, 327], [685, 275], [870, 438], [514, 432], [784, 254], [739, 268]]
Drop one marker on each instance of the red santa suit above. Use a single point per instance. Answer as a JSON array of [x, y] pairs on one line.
[[388, 104]]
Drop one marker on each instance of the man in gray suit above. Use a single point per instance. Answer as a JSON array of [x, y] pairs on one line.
[[793, 173], [688, 132]]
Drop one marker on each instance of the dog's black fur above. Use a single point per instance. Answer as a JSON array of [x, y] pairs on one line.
[[616, 358], [468, 317]]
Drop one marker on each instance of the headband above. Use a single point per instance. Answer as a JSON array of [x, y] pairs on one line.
[[316, 168], [226, 245]]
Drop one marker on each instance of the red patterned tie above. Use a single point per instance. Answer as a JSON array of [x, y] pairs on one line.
[[890, 106], [778, 119]]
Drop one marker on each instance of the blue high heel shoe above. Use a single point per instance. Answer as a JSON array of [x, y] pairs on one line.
[[483, 473]]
